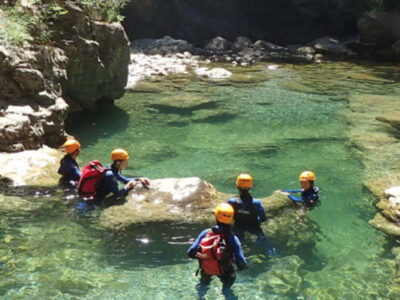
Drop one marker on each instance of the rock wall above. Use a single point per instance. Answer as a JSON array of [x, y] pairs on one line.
[[279, 21], [85, 65]]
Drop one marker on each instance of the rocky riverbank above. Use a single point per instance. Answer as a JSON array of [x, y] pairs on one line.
[[84, 65]]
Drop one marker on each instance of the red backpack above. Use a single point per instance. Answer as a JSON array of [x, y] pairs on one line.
[[211, 250], [92, 174]]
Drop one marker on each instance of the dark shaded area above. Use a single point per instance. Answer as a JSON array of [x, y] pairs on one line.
[[102, 121], [279, 21]]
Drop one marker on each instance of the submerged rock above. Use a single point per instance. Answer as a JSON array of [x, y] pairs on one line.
[[283, 276]]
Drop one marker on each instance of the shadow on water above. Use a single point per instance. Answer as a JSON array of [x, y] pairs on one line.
[[183, 111], [151, 244], [103, 122]]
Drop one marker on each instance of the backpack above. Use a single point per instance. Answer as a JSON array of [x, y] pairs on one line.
[[92, 174], [212, 250]]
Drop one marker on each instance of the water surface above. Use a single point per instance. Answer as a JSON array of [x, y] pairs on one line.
[[270, 123]]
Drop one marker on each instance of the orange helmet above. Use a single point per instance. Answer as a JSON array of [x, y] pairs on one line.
[[71, 146], [244, 180], [307, 176], [224, 213], [119, 154]]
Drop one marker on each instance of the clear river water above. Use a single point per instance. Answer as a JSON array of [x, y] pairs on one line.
[[272, 123]]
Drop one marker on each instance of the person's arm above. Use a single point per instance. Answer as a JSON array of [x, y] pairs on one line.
[[240, 260], [260, 212], [76, 173], [112, 185], [293, 191], [191, 252], [295, 199], [124, 179]]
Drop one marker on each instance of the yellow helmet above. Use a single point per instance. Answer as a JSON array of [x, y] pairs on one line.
[[119, 154], [244, 180], [307, 176], [71, 146], [224, 213]]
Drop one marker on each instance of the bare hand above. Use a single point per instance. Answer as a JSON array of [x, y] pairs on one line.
[[131, 184], [144, 181]]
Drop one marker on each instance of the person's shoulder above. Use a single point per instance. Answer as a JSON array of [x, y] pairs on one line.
[[257, 201], [316, 189], [108, 173], [232, 200]]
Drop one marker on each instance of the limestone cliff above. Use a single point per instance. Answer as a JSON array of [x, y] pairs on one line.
[[84, 63]]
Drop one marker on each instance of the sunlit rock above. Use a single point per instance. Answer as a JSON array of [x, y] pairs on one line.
[[328, 45], [215, 73], [383, 224], [393, 118], [171, 199], [31, 167]]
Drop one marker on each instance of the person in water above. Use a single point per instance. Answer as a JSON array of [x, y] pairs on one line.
[[217, 249], [249, 212], [69, 169], [309, 192], [109, 182], [113, 175]]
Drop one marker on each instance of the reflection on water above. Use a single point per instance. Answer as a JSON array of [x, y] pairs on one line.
[[271, 123]]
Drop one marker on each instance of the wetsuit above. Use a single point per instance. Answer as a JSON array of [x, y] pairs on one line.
[[309, 198], [69, 170], [109, 184], [249, 213], [234, 250]]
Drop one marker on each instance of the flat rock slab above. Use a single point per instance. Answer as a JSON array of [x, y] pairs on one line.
[[393, 118], [176, 199], [31, 167], [383, 224]]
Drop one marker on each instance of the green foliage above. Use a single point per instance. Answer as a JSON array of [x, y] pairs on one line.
[[109, 9], [14, 26]]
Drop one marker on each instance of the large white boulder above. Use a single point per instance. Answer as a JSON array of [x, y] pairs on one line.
[[31, 167]]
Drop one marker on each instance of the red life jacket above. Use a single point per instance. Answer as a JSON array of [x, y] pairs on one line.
[[92, 174], [211, 250]]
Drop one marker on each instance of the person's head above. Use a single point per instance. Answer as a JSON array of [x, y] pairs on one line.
[[72, 147], [224, 213], [244, 182], [120, 158], [307, 179]]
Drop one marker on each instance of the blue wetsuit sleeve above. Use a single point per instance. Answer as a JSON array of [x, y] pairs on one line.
[[112, 185], [124, 179], [191, 252], [77, 173], [295, 199], [293, 191], [231, 201], [238, 253], [260, 211]]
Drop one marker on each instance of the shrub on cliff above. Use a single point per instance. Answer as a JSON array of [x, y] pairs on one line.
[[35, 21]]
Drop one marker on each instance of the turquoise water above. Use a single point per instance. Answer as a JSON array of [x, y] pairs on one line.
[[270, 123]]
